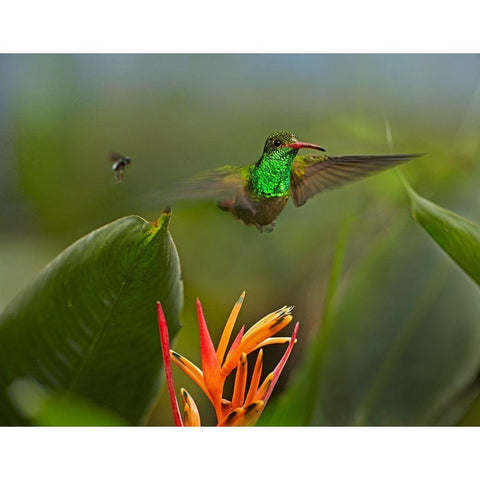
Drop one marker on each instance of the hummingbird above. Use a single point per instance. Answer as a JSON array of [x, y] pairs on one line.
[[256, 194]]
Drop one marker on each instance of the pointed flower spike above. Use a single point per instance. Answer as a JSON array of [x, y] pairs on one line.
[[251, 413], [274, 341], [191, 370], [191, 417], [165, 342], [229, 420], [252, 341], [254, 382], [210, 367], [278, 369], [262, 391], [245, 416], [271, 318], [240, 382], [233, 354], [227, 331]]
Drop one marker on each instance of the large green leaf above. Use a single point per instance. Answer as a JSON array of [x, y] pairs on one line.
[[87, 325], [401, 345]]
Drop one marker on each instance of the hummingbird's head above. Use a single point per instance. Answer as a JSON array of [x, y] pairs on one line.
[[287, 143]]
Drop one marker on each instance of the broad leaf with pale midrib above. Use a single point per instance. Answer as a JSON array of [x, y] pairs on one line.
[[87, 325]]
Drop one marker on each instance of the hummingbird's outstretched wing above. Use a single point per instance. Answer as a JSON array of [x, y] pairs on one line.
[[311, 174], [227, 182]]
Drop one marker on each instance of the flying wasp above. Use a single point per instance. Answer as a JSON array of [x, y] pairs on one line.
[[120, 162]]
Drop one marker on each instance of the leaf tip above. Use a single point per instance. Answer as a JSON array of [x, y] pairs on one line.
[[162, 222]]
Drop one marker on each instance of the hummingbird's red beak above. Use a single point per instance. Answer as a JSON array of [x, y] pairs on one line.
[[299, 145]]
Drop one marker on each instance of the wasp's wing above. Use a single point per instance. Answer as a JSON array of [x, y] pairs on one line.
[[312, 174], [114, 157]]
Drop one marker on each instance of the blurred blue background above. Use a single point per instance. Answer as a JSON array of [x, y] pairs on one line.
[[176, 115]]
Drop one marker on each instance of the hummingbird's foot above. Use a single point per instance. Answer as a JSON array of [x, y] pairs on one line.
[[266, 228]]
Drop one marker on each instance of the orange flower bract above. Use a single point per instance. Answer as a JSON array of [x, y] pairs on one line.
[[246, 404]]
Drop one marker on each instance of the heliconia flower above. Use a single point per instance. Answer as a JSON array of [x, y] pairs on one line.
[[246, 406]]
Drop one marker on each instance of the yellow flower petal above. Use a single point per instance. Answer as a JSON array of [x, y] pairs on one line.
[[240, 382], [254, 382], [227, 331]]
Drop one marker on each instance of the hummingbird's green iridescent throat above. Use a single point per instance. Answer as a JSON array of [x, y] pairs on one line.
[[270, 176]]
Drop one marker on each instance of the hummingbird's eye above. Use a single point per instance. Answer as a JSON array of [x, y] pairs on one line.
[[277, 142]]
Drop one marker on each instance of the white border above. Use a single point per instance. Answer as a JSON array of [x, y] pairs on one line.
[[248, 26], [243, 453]]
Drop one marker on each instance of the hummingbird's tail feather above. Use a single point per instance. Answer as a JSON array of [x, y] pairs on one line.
[[223, 183]]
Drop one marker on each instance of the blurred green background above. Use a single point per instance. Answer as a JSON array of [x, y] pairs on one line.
[[176, 115]]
